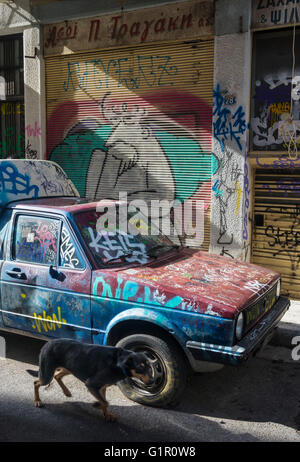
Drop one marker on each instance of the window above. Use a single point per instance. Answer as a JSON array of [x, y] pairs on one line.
[[36, 240], [111, 246], [69, 254], [12, 138], [272, 88]]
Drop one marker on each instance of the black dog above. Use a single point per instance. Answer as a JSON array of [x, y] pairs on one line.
[[97, 366]]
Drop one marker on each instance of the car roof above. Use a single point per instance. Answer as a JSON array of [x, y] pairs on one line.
[[63, 205]]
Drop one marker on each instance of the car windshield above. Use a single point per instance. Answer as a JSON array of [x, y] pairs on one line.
[[135, 241]]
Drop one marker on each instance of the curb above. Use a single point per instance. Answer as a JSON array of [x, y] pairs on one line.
[[284, 334]]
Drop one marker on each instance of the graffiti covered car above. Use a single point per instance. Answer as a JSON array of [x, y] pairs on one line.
[[64, 274]]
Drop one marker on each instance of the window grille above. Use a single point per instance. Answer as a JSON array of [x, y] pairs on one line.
[[12, 130]]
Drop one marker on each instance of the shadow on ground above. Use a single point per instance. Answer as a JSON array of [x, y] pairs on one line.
[[256, 402]]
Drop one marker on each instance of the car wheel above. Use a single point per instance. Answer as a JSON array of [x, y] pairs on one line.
[[168, 367]]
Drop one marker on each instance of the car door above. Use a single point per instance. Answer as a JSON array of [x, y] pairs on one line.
[[45, 279]]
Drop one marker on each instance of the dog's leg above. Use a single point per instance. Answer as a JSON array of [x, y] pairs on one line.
[[101, 402], [102, 392], [37, 400], [59, 374]]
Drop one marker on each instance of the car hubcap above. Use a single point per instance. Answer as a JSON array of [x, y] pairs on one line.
[[159, 372]]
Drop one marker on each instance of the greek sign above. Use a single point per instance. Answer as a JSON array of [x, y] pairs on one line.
[[270, 13], [168, 22]]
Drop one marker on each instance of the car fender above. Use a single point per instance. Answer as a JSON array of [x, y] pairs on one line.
[[150, 316]]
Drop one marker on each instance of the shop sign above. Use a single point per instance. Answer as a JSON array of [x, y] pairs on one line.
[[186, 20], [270, 13]]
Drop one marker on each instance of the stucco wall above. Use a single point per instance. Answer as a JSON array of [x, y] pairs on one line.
[[231, 189], [16, 17]]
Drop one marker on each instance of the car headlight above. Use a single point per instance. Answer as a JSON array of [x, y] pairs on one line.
[[239, 326], [278, 288]]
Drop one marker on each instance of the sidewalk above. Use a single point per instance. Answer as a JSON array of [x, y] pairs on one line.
[[288, 327]]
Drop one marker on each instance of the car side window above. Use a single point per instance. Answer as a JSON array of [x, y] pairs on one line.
[[69, 254], [36, 240]]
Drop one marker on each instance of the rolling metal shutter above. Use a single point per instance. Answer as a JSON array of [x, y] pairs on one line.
[[276, 237], [134, 119]]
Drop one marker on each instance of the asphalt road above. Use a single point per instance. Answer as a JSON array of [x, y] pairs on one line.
[[258, 402]]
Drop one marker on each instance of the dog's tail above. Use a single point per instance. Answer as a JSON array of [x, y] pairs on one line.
[[34, 373]]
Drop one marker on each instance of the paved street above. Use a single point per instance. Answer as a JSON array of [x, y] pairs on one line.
[[259, 402]]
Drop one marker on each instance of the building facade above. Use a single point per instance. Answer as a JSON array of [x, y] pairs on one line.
[[187, 101]]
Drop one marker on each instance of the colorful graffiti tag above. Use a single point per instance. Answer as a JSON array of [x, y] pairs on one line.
[[23, 179]]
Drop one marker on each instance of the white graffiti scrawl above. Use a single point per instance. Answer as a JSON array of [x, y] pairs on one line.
[[114, 245]]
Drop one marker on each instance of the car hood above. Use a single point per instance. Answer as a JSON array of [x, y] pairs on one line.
[[200, 282]]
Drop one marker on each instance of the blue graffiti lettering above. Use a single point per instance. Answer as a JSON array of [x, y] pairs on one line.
[[130, 291], [218, 192], [106, 289], [13, 182], [151, 71], [227, 125], [281, 162]]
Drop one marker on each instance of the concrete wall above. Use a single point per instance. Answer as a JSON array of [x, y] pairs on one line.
[[16, 17], [72, 9], [231, 191]]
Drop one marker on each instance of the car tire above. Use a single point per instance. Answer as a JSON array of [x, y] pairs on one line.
[[168, 366]]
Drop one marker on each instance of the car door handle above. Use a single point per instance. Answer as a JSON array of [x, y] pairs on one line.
[[16, 273]]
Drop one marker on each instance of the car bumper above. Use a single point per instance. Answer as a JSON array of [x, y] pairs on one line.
[[250, 344]]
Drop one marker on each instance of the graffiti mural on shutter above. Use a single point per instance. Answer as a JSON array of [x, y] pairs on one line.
[[137, 120], [275, 141], [276, 238]]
